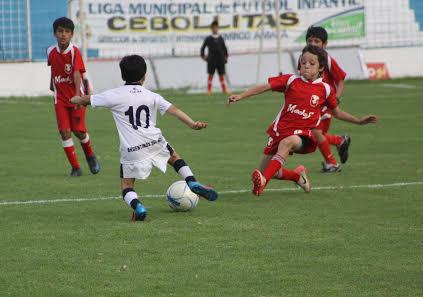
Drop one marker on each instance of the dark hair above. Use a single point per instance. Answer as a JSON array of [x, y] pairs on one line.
[[317, 32], [214, 24], [321, 54], [64, 23], [132, 68]]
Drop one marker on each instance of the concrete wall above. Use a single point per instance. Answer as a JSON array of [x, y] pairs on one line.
[[32, 79]]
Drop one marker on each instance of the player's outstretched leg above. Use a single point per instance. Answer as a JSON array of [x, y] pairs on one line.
[[298, 175], [92, 161], [131, 198], [185, 172], [343, 148]]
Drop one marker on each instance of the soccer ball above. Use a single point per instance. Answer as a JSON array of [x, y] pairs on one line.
[[180, 198]]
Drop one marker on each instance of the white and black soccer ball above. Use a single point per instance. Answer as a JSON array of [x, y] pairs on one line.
[[180, 198]]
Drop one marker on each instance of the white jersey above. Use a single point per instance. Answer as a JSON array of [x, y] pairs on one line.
[[134, 110]]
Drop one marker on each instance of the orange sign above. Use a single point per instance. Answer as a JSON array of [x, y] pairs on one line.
[[377, 71]]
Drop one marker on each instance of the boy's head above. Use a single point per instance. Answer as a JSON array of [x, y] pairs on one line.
[[214, 26], [313, 62], [63, 30], [133, 68], [317, 36]]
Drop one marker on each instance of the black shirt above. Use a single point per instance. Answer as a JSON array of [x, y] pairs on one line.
[[216, 46]]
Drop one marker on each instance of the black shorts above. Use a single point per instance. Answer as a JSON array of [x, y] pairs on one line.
[[213, 65], [168, 146]]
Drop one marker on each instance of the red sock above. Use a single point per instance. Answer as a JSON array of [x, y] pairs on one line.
[[209, 83], [326, 152], [334, 139], [70, 153], [288, 174], [223, 84], [274, 165], [86, 146]]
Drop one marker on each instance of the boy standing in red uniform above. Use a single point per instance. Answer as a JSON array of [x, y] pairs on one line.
[[67, 70], [291, 131], [333, 75]]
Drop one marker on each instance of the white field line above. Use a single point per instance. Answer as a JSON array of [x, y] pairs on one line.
[[29, 102], [400, 86], [323, 188]]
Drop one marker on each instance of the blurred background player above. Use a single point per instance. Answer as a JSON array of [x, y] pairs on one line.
[[67, 70], [216, 58], [142, 144], [291, 131], [334, 76]]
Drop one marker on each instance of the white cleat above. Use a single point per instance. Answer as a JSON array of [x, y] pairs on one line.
[[303, 182]]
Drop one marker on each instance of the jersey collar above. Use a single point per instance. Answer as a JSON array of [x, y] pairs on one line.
[[133, 84], [67, 50], [319, 80]]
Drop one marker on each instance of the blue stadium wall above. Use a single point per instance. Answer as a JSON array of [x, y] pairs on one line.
[[417, 6]]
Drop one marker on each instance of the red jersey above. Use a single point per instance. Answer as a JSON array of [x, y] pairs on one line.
[[334, 73], [303, 102], [63, 65]]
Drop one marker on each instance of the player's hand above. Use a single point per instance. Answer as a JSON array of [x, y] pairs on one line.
[[233, 99], [370, 119], [198, 125], [76, 100]]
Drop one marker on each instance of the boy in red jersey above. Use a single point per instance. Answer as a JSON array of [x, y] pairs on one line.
[[334, 76], [67, 70], [291, 131]]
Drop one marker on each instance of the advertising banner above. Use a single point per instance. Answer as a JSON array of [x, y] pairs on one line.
[[159, 27]]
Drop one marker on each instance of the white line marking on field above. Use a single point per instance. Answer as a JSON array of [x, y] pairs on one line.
[[30, 102], [400, 86], [373, 186]]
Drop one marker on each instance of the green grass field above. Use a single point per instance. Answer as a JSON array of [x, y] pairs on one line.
[[359, 233]]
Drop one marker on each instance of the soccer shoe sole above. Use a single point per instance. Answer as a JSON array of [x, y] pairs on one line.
[[206, 192], [258, 184], [343, 150]]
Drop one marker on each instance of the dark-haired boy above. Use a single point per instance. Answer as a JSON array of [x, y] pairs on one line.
[[216, 58], [142, 144], [67, 71], [334, 76]]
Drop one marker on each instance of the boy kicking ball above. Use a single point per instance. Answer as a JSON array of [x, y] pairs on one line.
[[142, 144]]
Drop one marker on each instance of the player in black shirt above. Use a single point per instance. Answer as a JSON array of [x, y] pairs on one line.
[[216, 58]]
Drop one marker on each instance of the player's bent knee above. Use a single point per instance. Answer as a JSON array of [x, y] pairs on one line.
[[173, 157], [65, 134]]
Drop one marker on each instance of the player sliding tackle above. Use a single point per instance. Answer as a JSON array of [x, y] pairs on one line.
[[291, 131], [142, 144]]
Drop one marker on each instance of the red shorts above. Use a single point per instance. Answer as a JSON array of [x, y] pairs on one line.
[[69, 118], [309, 143]]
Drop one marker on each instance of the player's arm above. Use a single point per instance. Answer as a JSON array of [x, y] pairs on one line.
[[184, 118], [250, 92], [81, 100], [340, 86], [77, 79], [203, 48], [345, 116]]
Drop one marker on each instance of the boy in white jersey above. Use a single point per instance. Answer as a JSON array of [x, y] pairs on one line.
[[142, 144]]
